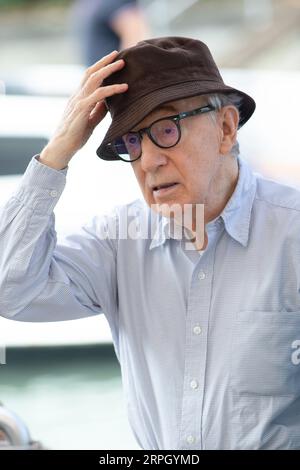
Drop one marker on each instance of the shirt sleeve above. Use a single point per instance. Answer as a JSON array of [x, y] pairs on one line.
[[40, 280]]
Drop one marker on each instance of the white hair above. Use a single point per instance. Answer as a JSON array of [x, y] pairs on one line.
[[218, 100]]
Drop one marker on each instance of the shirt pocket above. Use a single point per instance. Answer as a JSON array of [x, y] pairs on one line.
[[265, 353]]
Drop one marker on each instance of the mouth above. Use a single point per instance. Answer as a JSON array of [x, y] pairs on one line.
[[163, 189]]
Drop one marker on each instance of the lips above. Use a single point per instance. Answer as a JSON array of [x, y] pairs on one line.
[[162, 186], [164, 190]]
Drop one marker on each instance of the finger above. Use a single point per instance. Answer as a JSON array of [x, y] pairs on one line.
[[104, 60], [96, 79], [88, 104], [98, 113], [98, 65]]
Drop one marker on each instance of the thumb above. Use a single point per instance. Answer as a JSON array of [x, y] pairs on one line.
[[98, 113]]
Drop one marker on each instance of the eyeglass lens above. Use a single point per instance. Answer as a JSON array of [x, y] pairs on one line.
[[164, 133]]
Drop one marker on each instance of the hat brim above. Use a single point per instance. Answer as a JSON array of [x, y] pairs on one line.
[[138, 110]]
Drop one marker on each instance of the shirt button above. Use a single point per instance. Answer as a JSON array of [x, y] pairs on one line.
[[53, 193], [197, 330], [194, 384], [190, 439], [201, 275]]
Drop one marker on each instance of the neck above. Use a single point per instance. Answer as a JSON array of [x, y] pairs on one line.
[[220, 191]]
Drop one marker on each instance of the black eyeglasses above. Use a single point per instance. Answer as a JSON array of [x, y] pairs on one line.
[[165, 133]]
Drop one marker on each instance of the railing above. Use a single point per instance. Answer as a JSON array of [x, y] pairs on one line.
[[14, 434]]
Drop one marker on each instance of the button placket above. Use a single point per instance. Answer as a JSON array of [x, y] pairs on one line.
[[201, 275], [194, 384], [197, 330], [195, 364], [190, 439], [199, 301]]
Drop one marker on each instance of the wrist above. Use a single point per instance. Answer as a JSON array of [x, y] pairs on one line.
[[51, 157]]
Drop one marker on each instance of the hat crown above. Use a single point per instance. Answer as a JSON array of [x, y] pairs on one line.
[[157, 63]]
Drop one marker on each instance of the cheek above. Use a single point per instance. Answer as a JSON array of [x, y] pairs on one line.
[[195, 167], [140, 176], [202, 137], [196, 175]]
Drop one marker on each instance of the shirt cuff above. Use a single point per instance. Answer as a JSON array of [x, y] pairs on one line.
[[41, 186]]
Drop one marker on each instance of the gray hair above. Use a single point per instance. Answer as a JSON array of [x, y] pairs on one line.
[[218, 100]]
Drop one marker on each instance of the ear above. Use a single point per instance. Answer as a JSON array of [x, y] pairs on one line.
[[228, 120]]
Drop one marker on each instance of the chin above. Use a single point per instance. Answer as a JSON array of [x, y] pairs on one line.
[[169, 209]]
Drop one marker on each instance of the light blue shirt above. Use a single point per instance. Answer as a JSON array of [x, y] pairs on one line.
[[209, 346]]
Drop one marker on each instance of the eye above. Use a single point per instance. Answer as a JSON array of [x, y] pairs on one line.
[[165, 132], [131, 139]]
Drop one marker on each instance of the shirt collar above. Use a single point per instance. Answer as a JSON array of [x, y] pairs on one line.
[[235, 216]]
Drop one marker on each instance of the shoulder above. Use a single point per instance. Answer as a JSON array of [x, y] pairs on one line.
[[276, 212], [277, 196]]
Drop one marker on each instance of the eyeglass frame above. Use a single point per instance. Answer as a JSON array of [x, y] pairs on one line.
[[176, 118]]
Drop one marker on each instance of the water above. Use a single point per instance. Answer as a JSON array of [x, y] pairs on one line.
[[70, 398]]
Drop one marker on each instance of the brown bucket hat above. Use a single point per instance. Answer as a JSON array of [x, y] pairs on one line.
[[157, 71]]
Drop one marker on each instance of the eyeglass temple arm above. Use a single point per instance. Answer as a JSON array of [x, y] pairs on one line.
[[197, 111]]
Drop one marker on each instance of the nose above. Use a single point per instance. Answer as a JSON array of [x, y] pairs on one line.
[[152, 155]]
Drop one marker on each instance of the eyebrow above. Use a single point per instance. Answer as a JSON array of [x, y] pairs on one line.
[[168, 107]]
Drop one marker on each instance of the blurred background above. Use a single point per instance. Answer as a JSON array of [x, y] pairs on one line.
[[63, 379]]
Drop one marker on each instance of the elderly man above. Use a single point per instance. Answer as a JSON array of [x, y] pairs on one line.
[[205, 317]]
